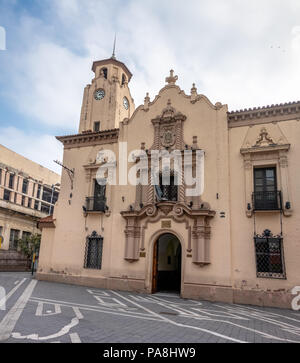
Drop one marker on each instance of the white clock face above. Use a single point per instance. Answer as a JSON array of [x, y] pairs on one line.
[[125, 103], [99, 94]]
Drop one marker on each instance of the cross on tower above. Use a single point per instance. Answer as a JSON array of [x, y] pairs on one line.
[[171, 79]]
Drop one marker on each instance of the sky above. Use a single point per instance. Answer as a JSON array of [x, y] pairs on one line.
[[241, 53]]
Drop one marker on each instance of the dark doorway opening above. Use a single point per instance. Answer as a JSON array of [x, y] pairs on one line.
[[167, 264]]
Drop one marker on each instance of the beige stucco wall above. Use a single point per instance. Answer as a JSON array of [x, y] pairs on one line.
[[231, 274], [242, 227]]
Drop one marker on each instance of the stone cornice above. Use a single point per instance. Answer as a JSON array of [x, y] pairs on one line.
[[168, 208], [89, 138], [270, 148], [261, 115]]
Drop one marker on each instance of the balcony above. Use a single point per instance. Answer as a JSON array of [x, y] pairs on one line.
[[93, 204], [267, 201]]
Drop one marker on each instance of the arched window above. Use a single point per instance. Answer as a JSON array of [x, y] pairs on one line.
[[123, 79], [103, 71]]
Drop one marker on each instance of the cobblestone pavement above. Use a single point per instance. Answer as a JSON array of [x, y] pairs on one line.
[[39, 311]]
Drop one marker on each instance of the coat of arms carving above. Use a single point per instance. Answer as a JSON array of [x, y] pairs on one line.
[[168, 136]]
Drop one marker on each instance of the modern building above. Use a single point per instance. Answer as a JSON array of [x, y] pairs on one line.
[[236, 242], [28, 192]]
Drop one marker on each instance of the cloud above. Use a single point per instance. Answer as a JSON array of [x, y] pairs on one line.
[[241, 53], [42, 149], [50, 90]]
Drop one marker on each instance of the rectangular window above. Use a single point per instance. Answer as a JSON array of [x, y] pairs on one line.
[[266, 196], [97, 126], [0, 176], [29, 202], [1, 230], [45, 208], [13, 239], [167, 190], [55, 197], [47, 195], [93, 251], [269, 255], [23, 200], [26, 235], [98, 202], [36, 204], [25, 186], [39, 192], [6, 195], [11, 181], [33, 189]]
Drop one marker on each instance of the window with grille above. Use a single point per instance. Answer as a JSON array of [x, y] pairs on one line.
[[169, 190], [269, 255], [93, 251]]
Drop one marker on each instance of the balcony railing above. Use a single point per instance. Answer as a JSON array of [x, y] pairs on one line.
[[95, 204], [267, 200]]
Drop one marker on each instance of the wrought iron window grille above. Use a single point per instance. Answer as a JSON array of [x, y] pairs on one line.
[[94, 204], [93, 251], [269, 255], [267, 200]]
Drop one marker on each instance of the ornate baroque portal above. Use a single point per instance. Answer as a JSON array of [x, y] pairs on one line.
[[194, 213]]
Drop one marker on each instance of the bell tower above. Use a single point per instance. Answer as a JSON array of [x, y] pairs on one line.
[[107, 100]]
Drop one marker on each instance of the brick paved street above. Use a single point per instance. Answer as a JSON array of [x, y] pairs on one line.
[[48, 312]]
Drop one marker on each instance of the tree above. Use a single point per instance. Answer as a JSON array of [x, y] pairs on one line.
[[30, 245]]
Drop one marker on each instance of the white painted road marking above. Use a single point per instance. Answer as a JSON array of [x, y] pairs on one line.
[[63, 331], [179, 324], [75, 338], [12, 291], [39, 310], [10, 319]]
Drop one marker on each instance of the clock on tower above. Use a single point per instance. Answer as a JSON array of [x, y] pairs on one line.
[[107, 100]]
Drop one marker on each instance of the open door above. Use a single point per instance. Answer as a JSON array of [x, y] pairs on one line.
[[166, 268]]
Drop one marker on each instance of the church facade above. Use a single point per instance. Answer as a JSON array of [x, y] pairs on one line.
[[235, 241]]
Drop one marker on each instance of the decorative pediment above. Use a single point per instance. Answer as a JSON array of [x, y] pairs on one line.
[[169, 113], [168, 129], [264, 139]]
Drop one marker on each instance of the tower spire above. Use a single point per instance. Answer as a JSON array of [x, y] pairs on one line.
[[114, 48]]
